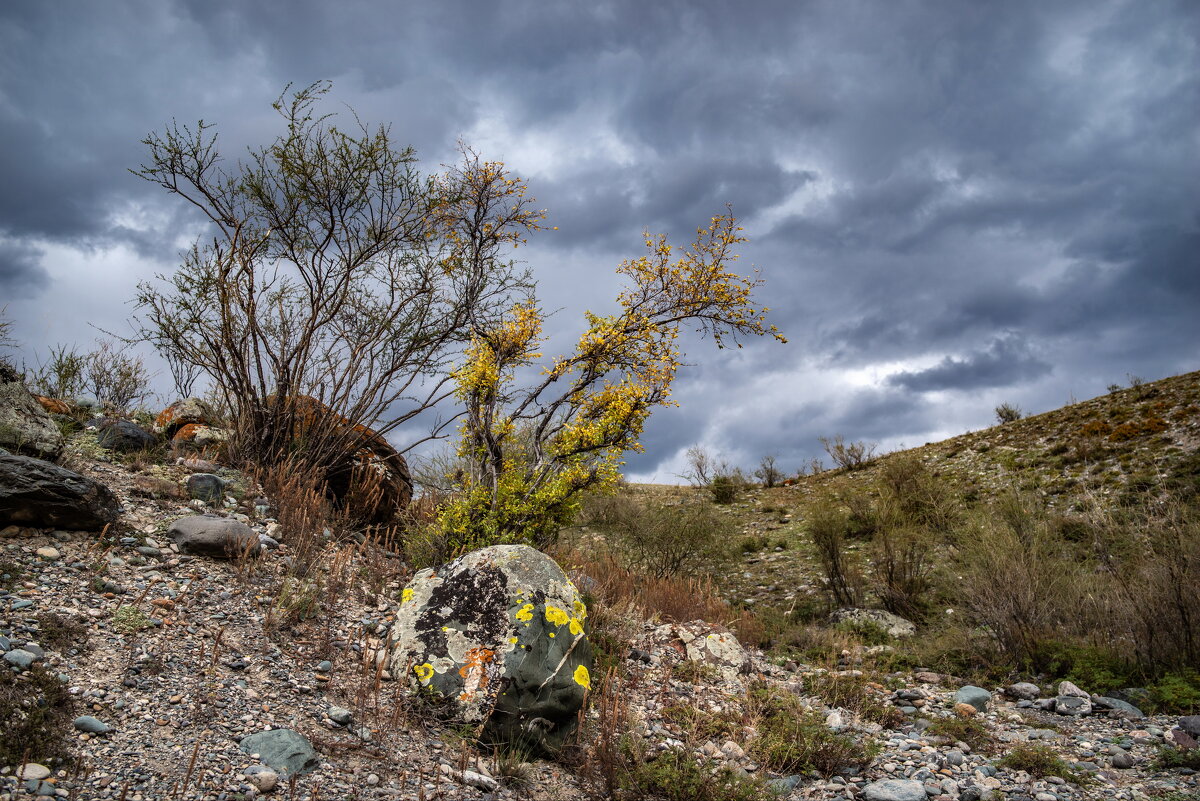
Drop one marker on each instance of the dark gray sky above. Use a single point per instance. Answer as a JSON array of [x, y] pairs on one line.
[[953, 204]]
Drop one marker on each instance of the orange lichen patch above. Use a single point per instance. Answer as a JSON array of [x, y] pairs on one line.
[[475, 672], [187, 433], [53, 405]]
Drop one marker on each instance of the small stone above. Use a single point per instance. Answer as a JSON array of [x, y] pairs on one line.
[[263, 778], [283, 749], [340, 715], [964, 710], [1024, 691], [1070, 689], [33, 771], [372, 780], [324, 667], [19, 657], [1122, 761], [91, 725], [21, 603], [48, 554]]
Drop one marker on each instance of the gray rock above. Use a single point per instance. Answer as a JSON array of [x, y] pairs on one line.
[[975, 696], [91, 725], [34, 492], [895, 790], [1190, 724], [1122, 761], [206, 487], [500, 633], [954, 757], [20, 658], [894, 625], [1067, 688], [1023, 691], [123, 435], [1072, 705], [1118, 708], [284, 750], [217, 537], [24, 425], [340, 715]]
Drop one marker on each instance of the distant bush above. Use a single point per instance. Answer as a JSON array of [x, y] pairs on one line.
[[116, 379], [1039, 761], [664, 541], [768, 473], [1008, 413], [848, 455]]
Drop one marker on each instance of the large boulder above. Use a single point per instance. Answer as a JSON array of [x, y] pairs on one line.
[[893, 625], [371, 478], [123, 435], [34, 492], [498, 632], [25, 426], [217, 537], [181, 413]]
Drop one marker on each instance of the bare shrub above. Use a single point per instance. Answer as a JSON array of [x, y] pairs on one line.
[[828, 525], [700, 466], [768, 473], [116, 379], [63, 375], [1008, 413], [848, 455], [1021, 582], [333, 272]]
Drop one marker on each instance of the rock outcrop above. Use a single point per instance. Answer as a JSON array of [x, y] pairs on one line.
[[123, 435], [25, 426], [500, 633]]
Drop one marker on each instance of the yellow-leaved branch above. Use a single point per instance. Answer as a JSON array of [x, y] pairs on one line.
[[529, 452]]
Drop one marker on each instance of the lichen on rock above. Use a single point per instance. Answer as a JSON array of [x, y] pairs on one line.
[[501, 633]]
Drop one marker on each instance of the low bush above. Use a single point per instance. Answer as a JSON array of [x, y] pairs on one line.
[[856, 694], [676, 776], [1171, 758], [792, 739], [37, 711], [965, 730], [828, 526], [848, 455], [1039, 761], [664, 541]]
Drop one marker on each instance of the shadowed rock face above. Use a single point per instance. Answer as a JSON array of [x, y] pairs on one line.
[[34, 492], [24, 425], [500, 633]]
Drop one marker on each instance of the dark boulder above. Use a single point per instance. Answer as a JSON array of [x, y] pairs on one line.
[[217, 537], [34, 492], [123, 435]]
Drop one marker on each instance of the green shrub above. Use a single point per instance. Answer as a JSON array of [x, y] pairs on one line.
[[792, 739], [724, 489], [966, 730], [828, 527], [1039, 761], [676, 776], [1177, 693], [854, 693], [663, 541], [1169, 758], [129, 619]]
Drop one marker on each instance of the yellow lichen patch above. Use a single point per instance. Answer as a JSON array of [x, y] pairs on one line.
[[424, 672], [551, 634], [576, 626], [406, 596], [583, 678], [557, 616], [525, 613], [512, 640], [580, 609]]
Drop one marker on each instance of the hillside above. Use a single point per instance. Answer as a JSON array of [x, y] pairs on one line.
[[1114, 448]]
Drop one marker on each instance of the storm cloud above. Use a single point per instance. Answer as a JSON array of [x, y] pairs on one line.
[[951, 204]]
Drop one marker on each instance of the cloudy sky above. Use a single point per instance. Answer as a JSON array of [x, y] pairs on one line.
[[953, 204]]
